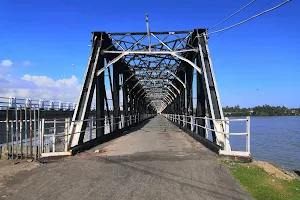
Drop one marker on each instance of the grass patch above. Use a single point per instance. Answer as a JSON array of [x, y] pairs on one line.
[[262, 185]]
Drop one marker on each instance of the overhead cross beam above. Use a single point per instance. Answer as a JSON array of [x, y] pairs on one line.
[[153, 71]]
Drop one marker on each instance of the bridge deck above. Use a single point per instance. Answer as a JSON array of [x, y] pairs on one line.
[[156, 160]]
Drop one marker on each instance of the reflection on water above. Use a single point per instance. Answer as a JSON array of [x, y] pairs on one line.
[[273, 139]]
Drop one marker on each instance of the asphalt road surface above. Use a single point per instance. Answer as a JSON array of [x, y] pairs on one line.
[[156, 160]]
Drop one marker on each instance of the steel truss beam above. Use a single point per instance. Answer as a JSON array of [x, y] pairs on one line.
[[157, 76]]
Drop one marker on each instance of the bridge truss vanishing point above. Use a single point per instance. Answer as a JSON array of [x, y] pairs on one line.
[[152, 72]]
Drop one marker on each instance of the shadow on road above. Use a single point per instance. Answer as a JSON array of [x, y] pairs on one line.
[[108, 137]]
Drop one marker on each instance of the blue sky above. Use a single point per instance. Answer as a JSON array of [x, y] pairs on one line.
[[255, 63]]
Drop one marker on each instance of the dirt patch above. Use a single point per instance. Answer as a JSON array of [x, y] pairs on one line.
[[12, 167], [271, 169], [276, 184], [9, 168]]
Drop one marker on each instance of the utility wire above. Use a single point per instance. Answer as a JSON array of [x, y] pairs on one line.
[[250, 14], [232, 15], [246, 20]]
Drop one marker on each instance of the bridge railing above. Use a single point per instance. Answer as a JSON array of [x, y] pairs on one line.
[[13, 102], [210, 125], [55, 132], [24, 134], [19, 132]]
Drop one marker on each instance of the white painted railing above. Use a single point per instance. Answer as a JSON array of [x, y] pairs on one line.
[[23, 133], [55, 132], [13, 102], [184, 120]]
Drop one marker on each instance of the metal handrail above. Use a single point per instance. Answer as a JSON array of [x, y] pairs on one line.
[[32, 135], [12, 102], [177, 119]]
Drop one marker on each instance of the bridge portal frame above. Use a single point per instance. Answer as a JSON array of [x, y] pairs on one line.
[[190, 54]]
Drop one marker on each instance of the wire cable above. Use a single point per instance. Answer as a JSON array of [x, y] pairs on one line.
[[250, 15], [246, 20], [232, 15]]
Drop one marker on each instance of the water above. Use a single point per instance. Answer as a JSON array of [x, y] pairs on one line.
[[273, 139]]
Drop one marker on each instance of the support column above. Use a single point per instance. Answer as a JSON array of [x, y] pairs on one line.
[[211, 90], [125, 97], [116, 94], [189, 89], [82, 110], [181, 75], [100, 113], [200, 108]]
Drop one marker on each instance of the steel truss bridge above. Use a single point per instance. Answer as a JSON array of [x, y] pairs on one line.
[[142, 86], [152, 73]]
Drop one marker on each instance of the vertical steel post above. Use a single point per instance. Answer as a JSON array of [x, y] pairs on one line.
[[17, 132], [67, 123], [189, 90], [111, 119], [125, 98], [30, 125], [206, 131], [82, 111], [131, 107], [116, 93], [12, 138], [54, 135], [21, 129], [185, 100], [7, 130], [38, 131], [34, 131], [100, 95], [40, 137], [211, 91], [192, 123], [42, 125], [26, 142], [226, 135], [248, 134], [91, 127], [107, 116], [200, 108]]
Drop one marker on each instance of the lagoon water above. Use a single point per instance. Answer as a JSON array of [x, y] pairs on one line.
[[273, 139]]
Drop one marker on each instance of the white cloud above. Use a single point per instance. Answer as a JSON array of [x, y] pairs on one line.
[[41, 87], [6, 63], [47, 82], [27, 63], [44, 87]]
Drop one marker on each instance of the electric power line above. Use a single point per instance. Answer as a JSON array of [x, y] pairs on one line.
[[250, 14], [232, 15], [246, 20]]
